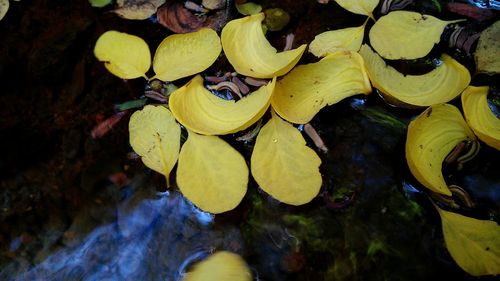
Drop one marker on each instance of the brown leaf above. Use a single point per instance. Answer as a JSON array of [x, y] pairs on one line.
[[174, 16]]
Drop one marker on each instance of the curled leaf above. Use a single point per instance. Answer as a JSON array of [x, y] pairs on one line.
[[406, 35], [137, 9], [474, 244], [479, 116], [440, 85], [203, 112], [221, 266], [155, 136], [249, 52], [488, 48], [174, 16], [360, 7], [308, 88], [283, 165], [182, 55], [126, 56], [346, 39], [431, 137], [4, 7], [211, 174]]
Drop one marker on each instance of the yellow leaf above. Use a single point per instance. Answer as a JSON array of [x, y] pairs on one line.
[[137, 9], [431, 137], [440, 85], [182, 55], [155, 136], [406, 35], [360, 7], [211, 174], [488, 50], [283, 165], [126, 56], [203, 112], [249, 52], [4, 7], [474, 244], [308, 88], [347, 39], [479, 116], [221, 266], [248, 8]]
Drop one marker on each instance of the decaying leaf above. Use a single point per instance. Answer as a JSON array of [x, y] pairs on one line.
[[203, 112], [346, 39], [283, 165], [431, 137], [213, 4], [308, 88], [4, 7], [211, 174], [249, 52], [479, 116], [474, 244], [221, 266], [406, 35], [440, 85], [249, 8], [174, 16], [137, 9], [126, 56], [360, 7], [488, 50], [155, 136], [182, 55]]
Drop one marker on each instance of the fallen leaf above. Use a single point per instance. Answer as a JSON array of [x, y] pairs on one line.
[[431, 137], [99, 3], [406, 35], [360, 7], [308, 88], [474, 244], [249, 8], [203, 112], [488, 50], [479, 116], [4, 7], [174, 16], [182, 55], [283, 165], [347, 39], [440, 85], [211, 174], [249, 52], [137, 9], [221, 266], [155, 136], [124, 55]]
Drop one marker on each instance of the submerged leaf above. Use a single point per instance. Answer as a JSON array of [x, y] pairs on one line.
[[308, 88], [249, 52], [283, 165], [431, 137], [479, 116], [346, 39], [126, 56], [211, 174], [137, 9], [474, 244], [182, 55], [203, 112], [4, 7], [248, 8], [488, 50], [155, 136], [440, 85], [221, 266], [360, 7], [406, 35], [99, 3]]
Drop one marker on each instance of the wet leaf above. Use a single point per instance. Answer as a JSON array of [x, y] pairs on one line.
[[479, 116], [406, 35], [360, 7], [440, 85], [211, 174], [203, 112], [308, 88], [155, 136], [431, 137], [347, 39], [474, 244], [99, 3], [249, 8], [126, 56], [174, 16], [137, 9], [221, 266], [249, 52], [488, 50], [4, 7], [182, 55], [283, 165], [213, 4]]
